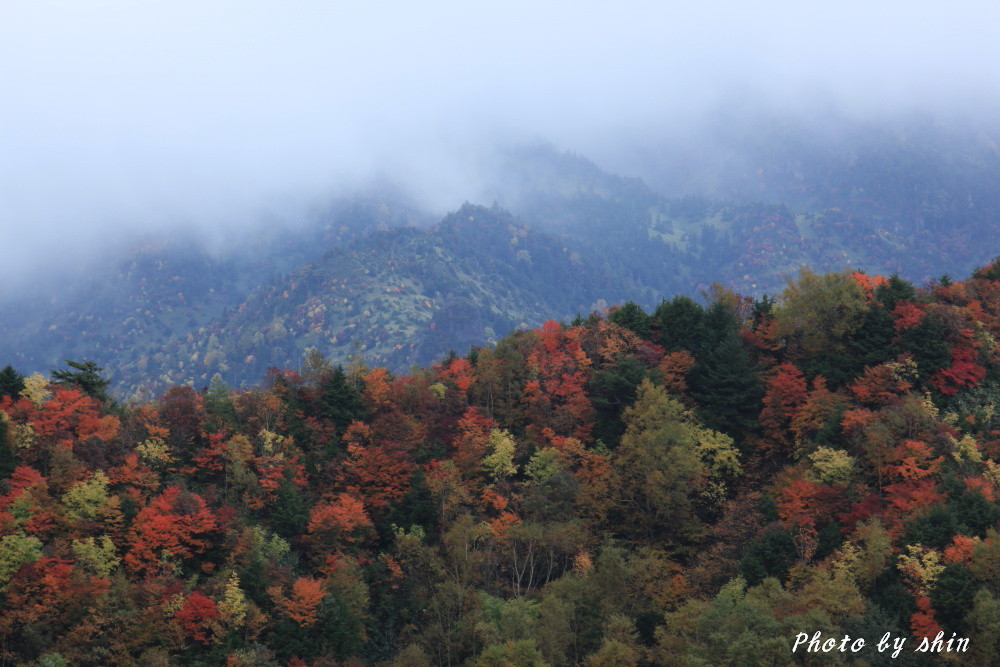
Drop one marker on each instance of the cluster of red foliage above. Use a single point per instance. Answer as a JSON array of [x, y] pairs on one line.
[[537, 502]]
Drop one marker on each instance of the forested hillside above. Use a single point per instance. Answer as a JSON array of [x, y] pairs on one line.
[[371, 275], [683, 485], [397, 297]]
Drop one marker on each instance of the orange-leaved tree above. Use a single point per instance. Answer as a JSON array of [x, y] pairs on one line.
[[303, 601], [556, 396], [176, 523]]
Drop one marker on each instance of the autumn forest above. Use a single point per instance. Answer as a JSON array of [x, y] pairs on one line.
[[693, 485], [535, 334]]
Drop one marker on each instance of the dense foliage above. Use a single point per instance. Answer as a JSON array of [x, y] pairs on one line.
[[693, 485]]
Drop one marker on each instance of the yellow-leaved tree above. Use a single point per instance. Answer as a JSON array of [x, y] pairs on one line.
[[668, 462]]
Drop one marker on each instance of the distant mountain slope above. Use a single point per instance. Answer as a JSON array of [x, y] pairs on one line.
[[907, 174], [124, 309], [132, 305], [399, 297], [915, 199], [369, 275]]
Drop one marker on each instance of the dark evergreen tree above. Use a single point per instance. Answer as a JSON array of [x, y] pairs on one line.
[[253, 580], [83, 374], [290, 515], [875, 622], [762, 307], [837, 367], [7, 460], [717, 323], [770, 555], [952, 597], [829, 539], [611, 390], [298, 403], [11, 382], [871, 344], [934, 528], [340, 627], [830, 434], [631, 316], [974, 513], [415, 508], [219, 402], [926, 341], [679, 323], [336, 633], [889, 593], [897, 290], [724, 384], [340, 400]]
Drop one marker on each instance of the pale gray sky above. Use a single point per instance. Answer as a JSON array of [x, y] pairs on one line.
[[126, 114]]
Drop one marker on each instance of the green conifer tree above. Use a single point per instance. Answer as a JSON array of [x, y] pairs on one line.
[[679, 322], [84, 374], [340, 400], [11, 382], [631, 316]]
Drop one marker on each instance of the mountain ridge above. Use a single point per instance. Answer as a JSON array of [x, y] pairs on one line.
[[563, 237]]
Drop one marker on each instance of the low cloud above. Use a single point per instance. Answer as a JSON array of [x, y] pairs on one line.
[[120, 117]]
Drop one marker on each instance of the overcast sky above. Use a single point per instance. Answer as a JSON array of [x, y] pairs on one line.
[[126, 114]]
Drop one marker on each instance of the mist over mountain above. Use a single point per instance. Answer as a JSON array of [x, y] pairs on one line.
[[380, 277], [122, 119], [498, 333], [172, 172]]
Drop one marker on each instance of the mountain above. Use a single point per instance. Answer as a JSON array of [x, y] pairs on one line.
[[756, 231], [398, 297], [135, 302], [909, 174], [696, 485], [375, 275]]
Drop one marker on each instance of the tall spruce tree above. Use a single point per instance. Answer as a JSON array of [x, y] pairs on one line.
[[679, 322], [727, 389], [631, 316], [290, 514], [84, 374], [897, 290], [11, 382], [723, 381], [926, 342], [219, 402], [611, 390], [339, 400], [7, 460], [872, 342]]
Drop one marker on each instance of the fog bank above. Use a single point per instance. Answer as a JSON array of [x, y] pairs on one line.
[[120, 117]]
